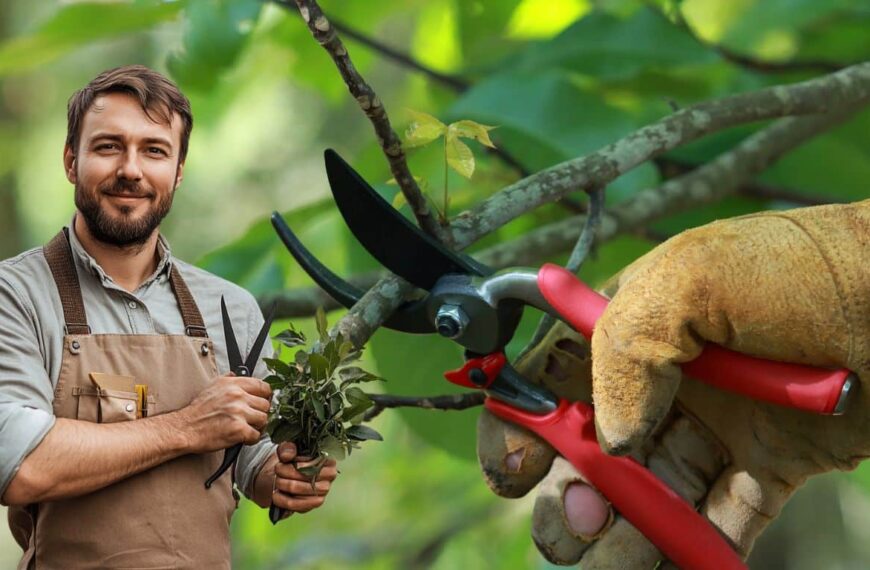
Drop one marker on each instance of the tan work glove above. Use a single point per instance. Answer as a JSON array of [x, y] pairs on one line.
[[791, 286]]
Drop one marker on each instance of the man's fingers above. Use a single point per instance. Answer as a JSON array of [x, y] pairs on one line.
[[286, 451], [302, 488], [297, 504], [741, 504]]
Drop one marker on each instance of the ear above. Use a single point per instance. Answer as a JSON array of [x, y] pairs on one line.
[[179, 175], [69, 164]]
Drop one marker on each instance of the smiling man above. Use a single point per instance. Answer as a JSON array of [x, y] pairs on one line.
[[115, 400]]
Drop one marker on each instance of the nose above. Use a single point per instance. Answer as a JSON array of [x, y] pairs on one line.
[[129, 168]]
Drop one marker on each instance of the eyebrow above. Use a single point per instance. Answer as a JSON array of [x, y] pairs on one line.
[[119, 138]]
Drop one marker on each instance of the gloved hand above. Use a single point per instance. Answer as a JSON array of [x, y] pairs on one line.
[[791, 286]]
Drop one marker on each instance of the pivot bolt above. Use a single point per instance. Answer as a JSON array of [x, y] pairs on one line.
[[451, 320]]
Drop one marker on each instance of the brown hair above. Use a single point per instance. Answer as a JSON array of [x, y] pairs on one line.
[[159, 97]]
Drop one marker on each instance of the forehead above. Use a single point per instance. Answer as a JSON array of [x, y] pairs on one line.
[[120, 114]]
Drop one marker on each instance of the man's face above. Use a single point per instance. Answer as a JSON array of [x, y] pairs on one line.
[[125, 170]]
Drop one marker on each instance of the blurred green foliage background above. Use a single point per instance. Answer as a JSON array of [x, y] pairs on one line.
[[559, 78]]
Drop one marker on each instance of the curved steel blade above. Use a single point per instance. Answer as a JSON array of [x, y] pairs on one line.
[[233, 355], [410, 317], [257, 348], [391, 239]]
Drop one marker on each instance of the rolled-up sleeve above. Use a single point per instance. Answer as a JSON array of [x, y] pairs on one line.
[[253, 457], [25, 387]]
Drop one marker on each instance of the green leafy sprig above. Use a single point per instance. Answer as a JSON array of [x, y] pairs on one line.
[[317, 403], [425, 129]]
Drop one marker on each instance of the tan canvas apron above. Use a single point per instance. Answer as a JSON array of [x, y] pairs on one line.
[[160, 518]]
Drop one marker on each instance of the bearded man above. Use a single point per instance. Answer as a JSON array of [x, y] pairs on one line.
[[115, 400]]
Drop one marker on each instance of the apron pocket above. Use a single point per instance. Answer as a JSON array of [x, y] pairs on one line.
[[105, 406]]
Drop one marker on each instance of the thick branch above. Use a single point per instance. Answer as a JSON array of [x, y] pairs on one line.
[[374, 109], [845, 88], [726, 175], [706, 184]]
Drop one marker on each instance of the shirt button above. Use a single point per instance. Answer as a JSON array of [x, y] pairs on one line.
[[129, 407], [133, 305]]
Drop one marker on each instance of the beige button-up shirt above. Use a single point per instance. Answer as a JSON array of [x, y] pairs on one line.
[[31, 338]]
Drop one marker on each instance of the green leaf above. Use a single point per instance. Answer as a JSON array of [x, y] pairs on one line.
[[319, 366], [319, 411], [333, 447], [607, 47], [423, 129], [278, 366], [363, 433], [399, 200], [286, 432], [357, 408], [81, 24], [460, 157], [290, 337], [276, 382], [322, 328], [216, 33], [355, 394], [471, 130]]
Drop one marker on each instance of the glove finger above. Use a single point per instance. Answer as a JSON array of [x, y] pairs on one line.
[[643, 334], [568, 516], [686, 457], [514, 460], [742, 503]]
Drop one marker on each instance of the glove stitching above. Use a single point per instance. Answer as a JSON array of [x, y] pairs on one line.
[[835, 279]]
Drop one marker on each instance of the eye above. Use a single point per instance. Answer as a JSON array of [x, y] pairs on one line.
[[157, 150], [107, 146]]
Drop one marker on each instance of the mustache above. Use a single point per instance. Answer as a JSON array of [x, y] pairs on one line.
[[126, 188]]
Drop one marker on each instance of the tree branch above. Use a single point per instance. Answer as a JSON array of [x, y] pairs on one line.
[[461, 401], [325, 34], [844, 88], [669, 168]]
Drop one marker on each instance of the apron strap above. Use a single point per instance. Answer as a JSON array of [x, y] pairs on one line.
[[58, 254], [59, 257], [193, 323]]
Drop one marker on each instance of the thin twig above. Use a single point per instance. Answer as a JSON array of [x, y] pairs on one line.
[[324, 32], [461, 401], [669, 168], [578, 255]]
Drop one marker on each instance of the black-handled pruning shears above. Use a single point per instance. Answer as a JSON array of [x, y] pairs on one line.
[[239, 368], [480, 309]]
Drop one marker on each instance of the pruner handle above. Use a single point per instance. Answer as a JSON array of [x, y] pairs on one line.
[[818, 390], [230, 456], [669, 522]]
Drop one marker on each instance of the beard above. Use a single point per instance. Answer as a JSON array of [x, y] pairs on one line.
[[122, 231]]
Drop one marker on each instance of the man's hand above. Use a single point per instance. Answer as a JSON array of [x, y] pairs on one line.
[[232, 409], [791, 286], [292, 491]]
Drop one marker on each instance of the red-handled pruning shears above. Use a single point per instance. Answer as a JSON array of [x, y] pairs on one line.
[[480, 309]]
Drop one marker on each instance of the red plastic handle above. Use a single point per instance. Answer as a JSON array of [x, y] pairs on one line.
[[670, 523], [807, 388]]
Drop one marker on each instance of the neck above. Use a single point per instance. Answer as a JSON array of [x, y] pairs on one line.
[[128, 266]]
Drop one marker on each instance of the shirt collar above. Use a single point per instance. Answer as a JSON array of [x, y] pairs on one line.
[[85, 260]]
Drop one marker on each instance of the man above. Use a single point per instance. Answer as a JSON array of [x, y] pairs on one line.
[[115, 400]]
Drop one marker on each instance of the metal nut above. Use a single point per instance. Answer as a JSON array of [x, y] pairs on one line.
[[451, 320]]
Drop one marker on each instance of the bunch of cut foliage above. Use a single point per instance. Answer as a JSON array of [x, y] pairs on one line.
[[317, 402]]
